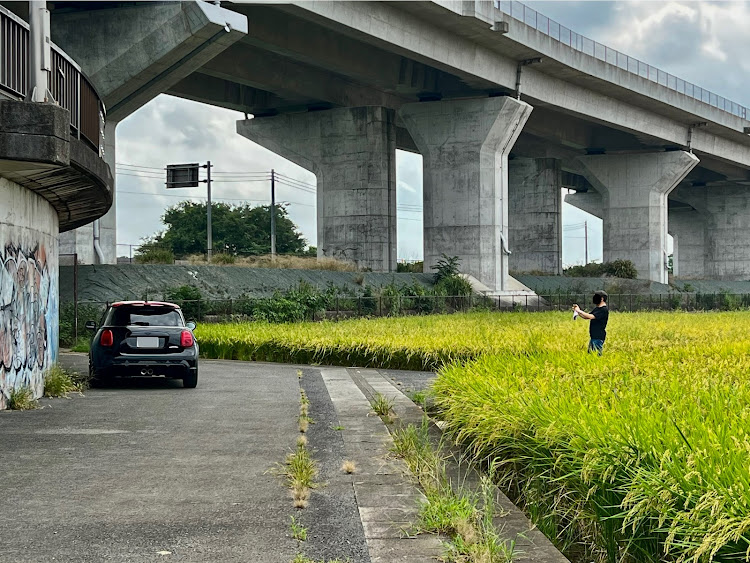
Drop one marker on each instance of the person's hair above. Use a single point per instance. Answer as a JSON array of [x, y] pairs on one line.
[[600, 296]]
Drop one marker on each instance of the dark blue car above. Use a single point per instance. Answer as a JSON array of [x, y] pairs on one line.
[[143, 338]]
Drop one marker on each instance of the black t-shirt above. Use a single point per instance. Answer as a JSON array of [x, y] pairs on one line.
[[598, 326]]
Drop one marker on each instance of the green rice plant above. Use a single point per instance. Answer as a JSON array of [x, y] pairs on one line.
[[21, 399], [639, 455]]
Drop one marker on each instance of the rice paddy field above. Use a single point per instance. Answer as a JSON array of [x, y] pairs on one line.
[[640, 455]]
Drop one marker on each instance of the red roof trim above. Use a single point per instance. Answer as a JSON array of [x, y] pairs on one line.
[[146, 303]]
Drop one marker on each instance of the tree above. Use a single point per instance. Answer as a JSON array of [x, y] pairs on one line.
[[237, 230]]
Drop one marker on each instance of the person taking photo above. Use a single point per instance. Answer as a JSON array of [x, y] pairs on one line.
[[598, 316]]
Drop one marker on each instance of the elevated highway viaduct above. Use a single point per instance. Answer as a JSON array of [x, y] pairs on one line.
[[505, 107]]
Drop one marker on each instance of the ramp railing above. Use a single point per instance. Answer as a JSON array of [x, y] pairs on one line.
[[68, 85]]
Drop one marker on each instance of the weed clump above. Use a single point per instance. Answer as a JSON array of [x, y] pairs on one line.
[[22, 399], [58, 382]]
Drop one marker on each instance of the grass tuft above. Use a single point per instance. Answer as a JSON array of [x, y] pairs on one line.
[[299, 532], [465, 517], [22, 399], [348, 467], [383, 406], [58, 382]]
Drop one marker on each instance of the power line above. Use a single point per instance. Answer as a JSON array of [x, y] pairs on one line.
[[294, 179], [139, 166]]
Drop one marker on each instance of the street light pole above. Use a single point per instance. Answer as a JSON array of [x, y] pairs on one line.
[[586, 242], [273, 215], [208, 212]]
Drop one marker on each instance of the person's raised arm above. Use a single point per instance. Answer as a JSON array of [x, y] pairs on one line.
[[583, 314]]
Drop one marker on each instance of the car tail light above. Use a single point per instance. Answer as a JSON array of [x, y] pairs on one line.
[[186, 339], [107, 339]]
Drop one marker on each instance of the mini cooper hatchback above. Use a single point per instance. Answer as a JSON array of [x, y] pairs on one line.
[[143, 338]]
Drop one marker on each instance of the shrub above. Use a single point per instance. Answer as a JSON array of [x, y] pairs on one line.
[[410, 267], [590, 270], [446, 267], [223, 258], [453, 285], [189, 298], [151, 255], [86, 312], [618, 269], [621, 269]]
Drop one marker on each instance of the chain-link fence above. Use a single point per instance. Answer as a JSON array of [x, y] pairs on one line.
[[73, 315]]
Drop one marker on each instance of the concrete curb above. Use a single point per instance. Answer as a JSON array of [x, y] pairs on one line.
[[530, 543], [388, 502]]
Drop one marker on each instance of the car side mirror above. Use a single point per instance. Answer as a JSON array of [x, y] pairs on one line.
[[91, 325], [190, 325]]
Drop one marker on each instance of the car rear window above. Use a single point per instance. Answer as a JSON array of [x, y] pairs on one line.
[[144, 316]]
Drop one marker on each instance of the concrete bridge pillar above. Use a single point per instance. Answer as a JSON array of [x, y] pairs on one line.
[[352, 152], [726, 212], [465, 146], [688, 229], [535, 219], [634, 189]]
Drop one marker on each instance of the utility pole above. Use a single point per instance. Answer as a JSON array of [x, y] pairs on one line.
[[208, 212], [186, 176], [586, 242], [273, 214]]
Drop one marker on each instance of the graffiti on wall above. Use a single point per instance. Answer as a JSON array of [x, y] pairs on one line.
[[28, 318]]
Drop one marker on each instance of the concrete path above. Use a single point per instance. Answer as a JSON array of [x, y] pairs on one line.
[[148, 471], [132, 472]]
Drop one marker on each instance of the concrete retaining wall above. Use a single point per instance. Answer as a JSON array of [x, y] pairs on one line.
[[29, 295], [108, 282]]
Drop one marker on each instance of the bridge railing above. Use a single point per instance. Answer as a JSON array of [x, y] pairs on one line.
[[67, 84], [534, 19]]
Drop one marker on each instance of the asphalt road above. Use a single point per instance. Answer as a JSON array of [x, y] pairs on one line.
[[149, 471]]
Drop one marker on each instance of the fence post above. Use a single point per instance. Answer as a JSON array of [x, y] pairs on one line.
[[359, 306], [527, 303], [380, 306], [337, 306]]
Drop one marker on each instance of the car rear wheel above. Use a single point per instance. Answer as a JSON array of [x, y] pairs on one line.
[[96, 378], [190, 381]]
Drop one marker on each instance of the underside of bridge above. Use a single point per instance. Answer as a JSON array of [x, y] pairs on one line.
[[492, 189]]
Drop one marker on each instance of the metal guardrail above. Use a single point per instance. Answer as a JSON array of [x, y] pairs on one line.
[[68, 85], [551, 28]]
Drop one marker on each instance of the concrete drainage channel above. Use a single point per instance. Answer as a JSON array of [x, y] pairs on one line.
[[387, 505]]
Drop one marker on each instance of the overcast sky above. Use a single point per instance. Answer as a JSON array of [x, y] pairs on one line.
[[703, 42]]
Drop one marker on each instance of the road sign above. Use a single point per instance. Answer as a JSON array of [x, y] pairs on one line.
[[182, 175]]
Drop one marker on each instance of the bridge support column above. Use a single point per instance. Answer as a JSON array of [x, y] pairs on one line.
[[465, 146], [634, 189], [352, 151], [726, 211], [688, 229], [534, 219]]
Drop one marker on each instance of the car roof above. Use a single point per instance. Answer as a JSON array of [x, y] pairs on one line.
[[145, 304]]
